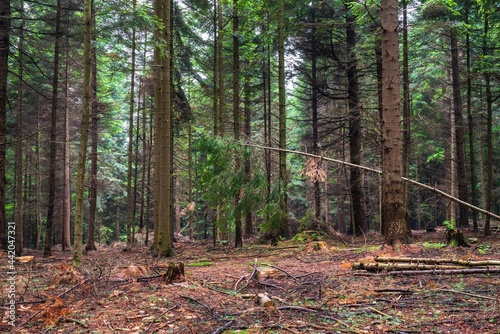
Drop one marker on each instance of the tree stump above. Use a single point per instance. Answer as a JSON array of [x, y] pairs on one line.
[[456, 238], [175, 272]]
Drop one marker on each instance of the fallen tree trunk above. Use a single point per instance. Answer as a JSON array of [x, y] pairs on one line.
[[457, 262], [447, 271], [400, 266]]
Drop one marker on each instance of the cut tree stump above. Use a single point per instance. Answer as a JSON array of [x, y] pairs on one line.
[[456, 238], [175, 273]]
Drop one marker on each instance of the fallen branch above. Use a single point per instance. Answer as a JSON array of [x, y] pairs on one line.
[[400, 266], [463, 263], [447, 271], [468, 294]]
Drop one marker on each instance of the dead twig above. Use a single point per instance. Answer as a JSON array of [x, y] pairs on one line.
[[252, 275], [161, 315], [467, 294], [223, 328]]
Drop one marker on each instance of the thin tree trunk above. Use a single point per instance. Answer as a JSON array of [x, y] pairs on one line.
[[359, 225], [38, 186], [283, 182], [130, 195], [19, 147], [459, 132], [66, 223], [94, 138], [237, 113], [190, 178], [472, 153], [406, 113], [314, 111], [489, 132], [4, 70], [378, 60], [248, 165], [47, 250], [82, 153]]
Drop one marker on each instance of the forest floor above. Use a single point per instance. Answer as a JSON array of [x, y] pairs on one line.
[[295, 287]]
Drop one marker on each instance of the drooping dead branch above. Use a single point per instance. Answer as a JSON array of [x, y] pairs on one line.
[[421, 185]]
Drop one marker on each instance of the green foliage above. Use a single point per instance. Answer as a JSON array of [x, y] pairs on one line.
[[272, 214], [200, 263], [222, 179], [484, 248], [307, 236], [440, 10], [107, 234], [433, 245], [449, 224]]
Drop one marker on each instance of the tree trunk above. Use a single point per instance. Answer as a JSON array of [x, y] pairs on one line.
[[248, 165], [489, 132], [237, 114], [283, 182], [459, 132], [406, 114], [84, 130], [4, 70], [314, 111], [163, 133], [393, 210], [38, 186], [470, 119], [94, 138], [47, 251], [130, 156], [66, 223], [19, 147], [359, 225]]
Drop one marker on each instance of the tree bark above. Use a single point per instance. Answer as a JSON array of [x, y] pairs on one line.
[[283, 182], [94, 139], [459, 132], [19, 147], [489, 131], [393, 210], [359, 225], [237, 114], [163, 132], [47, 251], [248, 165], [66, 223], [406, 113], [82, 153], [5, 18], [470, 119], [130, 195]]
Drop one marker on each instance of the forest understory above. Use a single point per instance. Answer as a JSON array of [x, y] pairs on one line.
[[298, 286]]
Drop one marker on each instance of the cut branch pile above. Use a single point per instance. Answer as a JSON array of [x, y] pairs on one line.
[[414, 266]]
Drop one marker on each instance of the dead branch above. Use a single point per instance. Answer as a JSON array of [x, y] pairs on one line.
[[223, 328], [421, 185], [400, 266], [447, 271], [457, 262], [467, 294]]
